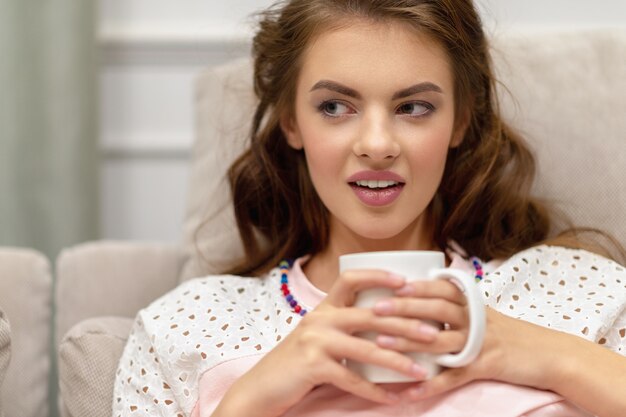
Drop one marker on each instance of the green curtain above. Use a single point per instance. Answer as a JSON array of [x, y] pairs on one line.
[[49, 160], [48, 132]]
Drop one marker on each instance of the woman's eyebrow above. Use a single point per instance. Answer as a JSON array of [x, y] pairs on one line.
[[347, 91], [416, 89], [336, 87]]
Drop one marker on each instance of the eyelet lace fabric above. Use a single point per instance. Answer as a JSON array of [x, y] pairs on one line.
[[570, 290], [207, 322]]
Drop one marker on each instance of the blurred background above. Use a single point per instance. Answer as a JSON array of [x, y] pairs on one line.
[[96, 118]]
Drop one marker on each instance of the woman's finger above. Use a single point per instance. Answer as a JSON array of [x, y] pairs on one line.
[[434, 309], [342, 346], [346, 380], [344, 291], [357, 320], [447, 380], [441, 288], [317, 346], [445, 342], [409, 328]]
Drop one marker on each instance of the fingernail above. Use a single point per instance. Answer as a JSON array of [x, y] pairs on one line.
[[418, 371], [428, 330], [393, 397], [383, 307], [386, 340], [416, 392], [397, 279], [406, 290]]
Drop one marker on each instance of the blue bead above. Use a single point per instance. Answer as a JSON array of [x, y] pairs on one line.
[[302, 312], [284, 280], [289, 297]]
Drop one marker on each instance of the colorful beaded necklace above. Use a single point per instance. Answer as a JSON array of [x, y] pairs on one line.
[[285, 265]]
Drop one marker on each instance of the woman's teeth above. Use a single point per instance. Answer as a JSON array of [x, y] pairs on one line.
[[376, 184]]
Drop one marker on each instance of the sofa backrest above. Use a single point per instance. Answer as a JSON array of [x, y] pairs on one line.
[[570, 104], [567, 97]]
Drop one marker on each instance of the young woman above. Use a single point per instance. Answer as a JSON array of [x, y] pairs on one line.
[[377, 129]]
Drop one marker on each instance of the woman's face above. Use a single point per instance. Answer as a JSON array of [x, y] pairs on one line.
[[374, 114]]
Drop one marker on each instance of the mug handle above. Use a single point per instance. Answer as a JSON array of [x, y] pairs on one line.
[[477, 318]]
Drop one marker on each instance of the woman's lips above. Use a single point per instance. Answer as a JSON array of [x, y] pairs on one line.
[[377, 197], [376, 194], [370, 175]]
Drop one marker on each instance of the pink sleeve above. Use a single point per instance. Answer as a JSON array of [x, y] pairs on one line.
[[559, 409], [478, 399], [216, 381]]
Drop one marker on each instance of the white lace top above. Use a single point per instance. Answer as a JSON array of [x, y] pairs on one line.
[[207, 322]]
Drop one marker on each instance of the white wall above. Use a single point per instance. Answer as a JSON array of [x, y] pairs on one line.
[[185, 17], [153, 49], [505, 15]]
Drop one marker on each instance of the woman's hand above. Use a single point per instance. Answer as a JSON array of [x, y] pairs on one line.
[[514, 351], [312, 354]]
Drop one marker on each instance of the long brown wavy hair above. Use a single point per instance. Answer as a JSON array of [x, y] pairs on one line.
[[484, 200]]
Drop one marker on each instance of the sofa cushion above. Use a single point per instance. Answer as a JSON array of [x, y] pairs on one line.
[[566, 100], [112, 278], [88, 358], [26, 297], [5, 349], [224, 105]]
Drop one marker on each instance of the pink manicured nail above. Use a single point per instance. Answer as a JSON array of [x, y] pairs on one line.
[[406, 290], [428, 330], [397, 279], [418, 371], [383, 307], [416, 392], [386, 340], [393, 397]]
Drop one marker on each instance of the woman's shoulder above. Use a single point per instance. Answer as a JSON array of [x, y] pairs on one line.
[[215, 308], [213, 319], [214, 290], [548, 259], [194, 327], [572, 290], [202, 304], [546, 269]]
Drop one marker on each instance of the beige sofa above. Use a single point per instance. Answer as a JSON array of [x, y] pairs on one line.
[[25, 344], [5, 350], [570, 91]]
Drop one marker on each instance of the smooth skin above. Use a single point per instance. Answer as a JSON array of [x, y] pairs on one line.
[[356, 109], [521, 353]]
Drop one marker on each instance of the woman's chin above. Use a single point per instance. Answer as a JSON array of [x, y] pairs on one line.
[[379, 233], [376, 233]]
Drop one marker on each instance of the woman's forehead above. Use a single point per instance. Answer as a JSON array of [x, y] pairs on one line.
[[364, 53]]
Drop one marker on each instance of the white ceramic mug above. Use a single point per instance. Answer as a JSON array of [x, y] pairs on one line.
[[414, 266]]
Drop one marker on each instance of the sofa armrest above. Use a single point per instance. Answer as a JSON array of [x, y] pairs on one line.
[[26, 298], [111, 278], [5, 350], [88, 358]]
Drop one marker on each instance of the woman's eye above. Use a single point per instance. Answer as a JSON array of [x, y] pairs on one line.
[[415, 109], [334, 109]]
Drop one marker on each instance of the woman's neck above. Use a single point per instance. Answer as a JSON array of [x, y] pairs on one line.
[[322, 269]]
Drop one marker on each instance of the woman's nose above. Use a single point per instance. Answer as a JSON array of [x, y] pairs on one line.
[[376, 139]]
